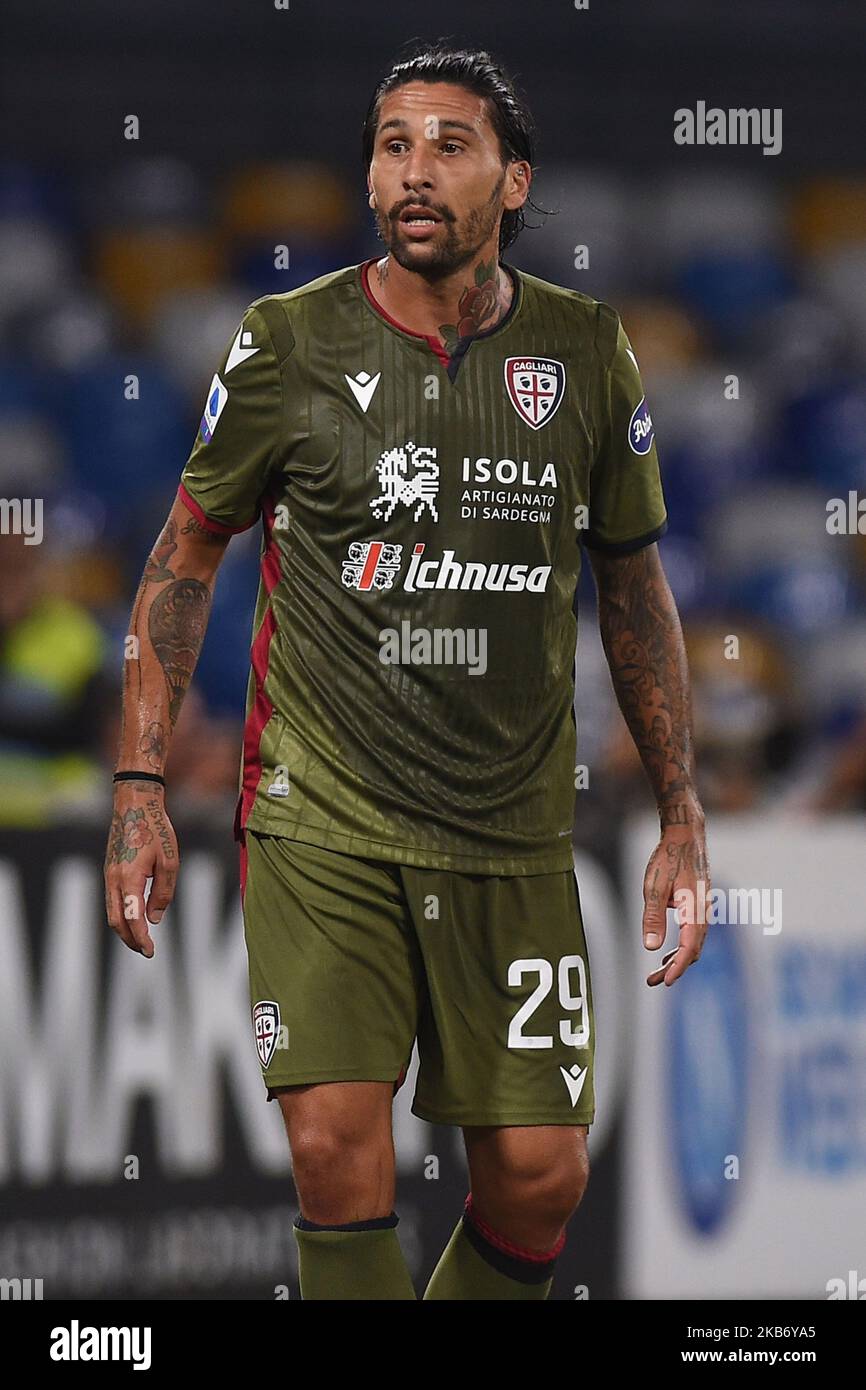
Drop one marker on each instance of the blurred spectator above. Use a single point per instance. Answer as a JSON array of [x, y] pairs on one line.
[[844, 786], [746, 732], [52, 689]]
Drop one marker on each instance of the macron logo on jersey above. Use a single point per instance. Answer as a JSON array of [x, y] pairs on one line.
[[363, 387], [240, 349]]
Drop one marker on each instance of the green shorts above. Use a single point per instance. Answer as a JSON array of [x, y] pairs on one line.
[[351, 959]]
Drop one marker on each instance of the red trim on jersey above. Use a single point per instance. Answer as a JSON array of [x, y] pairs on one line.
[[218, 527], [243, 865], [263, 707], [434, 343], [508, 1246]]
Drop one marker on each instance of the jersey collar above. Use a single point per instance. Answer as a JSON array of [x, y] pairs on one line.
[[435, 344]]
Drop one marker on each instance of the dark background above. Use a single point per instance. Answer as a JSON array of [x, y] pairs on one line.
[[217, 81]]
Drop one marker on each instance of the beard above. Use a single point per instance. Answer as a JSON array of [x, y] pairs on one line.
[[457, 243]]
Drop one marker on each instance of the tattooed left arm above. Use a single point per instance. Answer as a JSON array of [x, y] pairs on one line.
[[643, 642]]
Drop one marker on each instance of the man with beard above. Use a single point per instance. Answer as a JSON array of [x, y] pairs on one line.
[[430, 439]]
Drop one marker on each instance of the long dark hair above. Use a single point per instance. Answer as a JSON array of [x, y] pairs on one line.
[[476, 70]]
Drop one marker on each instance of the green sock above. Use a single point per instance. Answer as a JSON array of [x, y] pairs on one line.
[[478, 1264], [361, 1259]]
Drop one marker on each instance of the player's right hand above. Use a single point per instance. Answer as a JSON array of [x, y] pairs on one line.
[[141, 845]]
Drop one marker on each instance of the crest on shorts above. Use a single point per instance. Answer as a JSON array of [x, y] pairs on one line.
[[266, 1026], [535, 386]]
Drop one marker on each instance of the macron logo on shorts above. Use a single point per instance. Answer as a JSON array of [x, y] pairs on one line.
[[574, 1080], [266, 1026]]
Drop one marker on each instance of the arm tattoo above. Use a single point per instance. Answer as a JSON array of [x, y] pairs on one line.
[[176, 626], [153, 745], [643, 641], [195, 528], [156, 568], [155, 571], [176, 622]]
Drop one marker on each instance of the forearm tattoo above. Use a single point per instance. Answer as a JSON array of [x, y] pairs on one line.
[[642, 637], [153, 745], [176, 622], [176, 626], [156, 569]]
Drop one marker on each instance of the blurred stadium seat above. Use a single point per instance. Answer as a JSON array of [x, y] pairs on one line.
[[143, 272]]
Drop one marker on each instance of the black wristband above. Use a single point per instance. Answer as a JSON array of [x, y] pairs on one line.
[[138, 777]]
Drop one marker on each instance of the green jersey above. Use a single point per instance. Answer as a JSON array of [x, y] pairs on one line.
[[412, 665]]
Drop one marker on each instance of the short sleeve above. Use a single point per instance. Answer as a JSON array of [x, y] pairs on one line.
[[626, 503], [240, 432]]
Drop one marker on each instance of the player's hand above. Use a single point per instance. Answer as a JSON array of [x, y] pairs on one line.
[[141, 845], [677, 876]]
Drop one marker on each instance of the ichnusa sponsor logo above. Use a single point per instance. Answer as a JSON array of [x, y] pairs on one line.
[[449, 573]]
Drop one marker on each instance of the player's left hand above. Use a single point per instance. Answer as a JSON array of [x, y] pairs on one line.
[[677, 876]]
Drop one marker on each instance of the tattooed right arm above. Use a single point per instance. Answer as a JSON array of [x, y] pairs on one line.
[[166, 631]]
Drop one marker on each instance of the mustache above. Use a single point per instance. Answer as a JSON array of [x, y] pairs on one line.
[[397, 212]]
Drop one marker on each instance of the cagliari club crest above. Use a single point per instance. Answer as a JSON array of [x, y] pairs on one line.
[[266, 1026], [535, 386]]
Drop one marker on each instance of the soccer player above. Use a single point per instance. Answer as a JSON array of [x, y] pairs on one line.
[[431, 439]]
